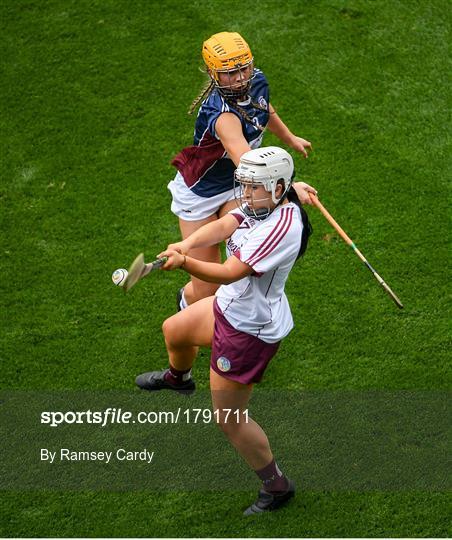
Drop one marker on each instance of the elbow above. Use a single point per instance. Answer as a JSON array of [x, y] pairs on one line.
[[222, 280], [229, 278], [219, 280]]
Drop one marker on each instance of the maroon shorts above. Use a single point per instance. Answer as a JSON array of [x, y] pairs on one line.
[[236, 355]]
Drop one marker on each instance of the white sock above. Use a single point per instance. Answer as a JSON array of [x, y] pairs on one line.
[[183, 303], [186, 376]]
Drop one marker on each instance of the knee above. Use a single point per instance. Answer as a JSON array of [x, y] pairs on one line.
[[170, 331], [202, 289]]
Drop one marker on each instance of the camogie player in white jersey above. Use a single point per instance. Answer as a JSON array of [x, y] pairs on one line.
[[235, 110], [248, 317]]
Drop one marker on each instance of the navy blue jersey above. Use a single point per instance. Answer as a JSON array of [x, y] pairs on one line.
[[205, 166]]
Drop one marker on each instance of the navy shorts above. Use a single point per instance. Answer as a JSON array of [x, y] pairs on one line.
[[236, 355]]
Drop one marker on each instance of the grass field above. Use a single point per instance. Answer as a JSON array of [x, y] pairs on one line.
[[94, 99]]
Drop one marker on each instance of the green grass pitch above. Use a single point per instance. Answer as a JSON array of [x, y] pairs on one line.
[[93, 104]]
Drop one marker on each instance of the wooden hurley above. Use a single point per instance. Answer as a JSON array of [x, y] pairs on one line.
[[349, 241]]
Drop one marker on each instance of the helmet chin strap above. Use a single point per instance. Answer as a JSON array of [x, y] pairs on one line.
[[236, 95], [259, 213]]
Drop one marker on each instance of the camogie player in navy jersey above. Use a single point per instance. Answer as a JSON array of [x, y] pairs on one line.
[[249, 316], [234, 113]]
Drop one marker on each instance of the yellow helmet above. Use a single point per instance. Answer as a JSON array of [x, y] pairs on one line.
[[228, 52]]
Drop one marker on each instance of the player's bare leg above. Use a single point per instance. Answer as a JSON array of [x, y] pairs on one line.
[[227, 207], [183, 333], [196, 289], [248, 438], [230, 400]]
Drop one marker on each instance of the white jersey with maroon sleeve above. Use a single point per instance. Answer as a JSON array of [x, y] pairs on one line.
[[257, 304]]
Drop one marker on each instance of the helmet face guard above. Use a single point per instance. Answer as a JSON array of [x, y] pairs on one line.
[[236, 87], [266, 167], [247, 204]]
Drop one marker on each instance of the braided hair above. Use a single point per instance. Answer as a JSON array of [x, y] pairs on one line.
[[244, 114], [307, 227], [205, 91]]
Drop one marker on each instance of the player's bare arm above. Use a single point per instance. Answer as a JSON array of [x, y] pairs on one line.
[[208, 235], [229, 130], [231, 270], [279, 128]]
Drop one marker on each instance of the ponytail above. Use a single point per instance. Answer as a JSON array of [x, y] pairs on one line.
[[307, 227], [205, 91]]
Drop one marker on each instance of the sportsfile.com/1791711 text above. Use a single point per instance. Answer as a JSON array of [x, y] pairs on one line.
[[119, 416]]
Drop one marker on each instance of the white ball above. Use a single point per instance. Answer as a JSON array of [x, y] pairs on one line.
[[119, 276]]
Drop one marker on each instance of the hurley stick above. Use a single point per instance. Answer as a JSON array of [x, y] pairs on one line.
[[349, 241]]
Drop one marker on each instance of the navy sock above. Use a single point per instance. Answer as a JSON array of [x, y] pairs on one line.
[[273, 480], [177, 376]]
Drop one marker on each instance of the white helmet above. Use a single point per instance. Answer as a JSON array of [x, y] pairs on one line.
[[264, 166]]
